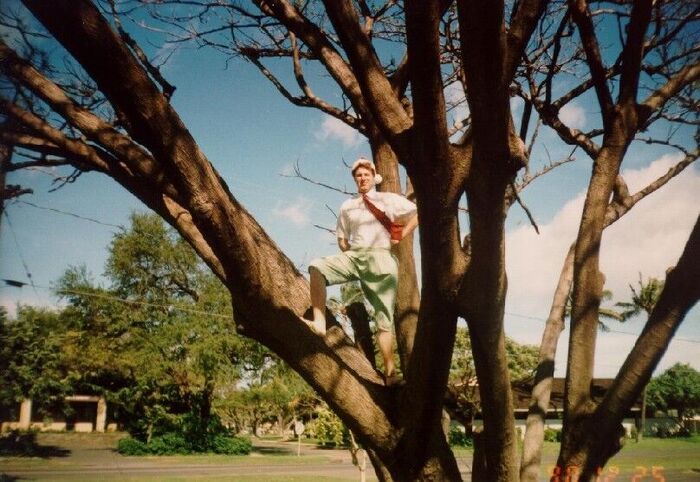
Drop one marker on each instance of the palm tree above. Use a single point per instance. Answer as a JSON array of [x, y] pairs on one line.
[[643, 300]]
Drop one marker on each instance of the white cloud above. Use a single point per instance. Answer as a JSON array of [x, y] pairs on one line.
[[334, 129], [454, 95], [649, 239], [573, 116], [296, 212]]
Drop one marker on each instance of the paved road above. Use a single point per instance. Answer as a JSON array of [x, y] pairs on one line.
[[84, 458]]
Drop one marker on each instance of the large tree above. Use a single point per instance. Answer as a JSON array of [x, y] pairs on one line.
[[678, 388], [157, 341], [130, 132]]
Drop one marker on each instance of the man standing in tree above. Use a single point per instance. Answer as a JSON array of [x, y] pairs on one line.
[[368, 225]]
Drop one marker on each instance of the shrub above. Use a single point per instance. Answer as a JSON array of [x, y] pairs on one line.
[[552, 435], [169, 444], [231, 445], [131, 446], [175, 444], [457, 437], [329, 429]]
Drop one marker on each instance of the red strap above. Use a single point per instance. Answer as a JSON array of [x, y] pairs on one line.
[[394, 229]]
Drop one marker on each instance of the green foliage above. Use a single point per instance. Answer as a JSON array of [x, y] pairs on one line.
[[185, 434], [171, 443], [643, 299], [329, 429], [552, 435], [457, 437], [522, 362], [274, 394], [678, 388], [176, 444], [132, 446], [231, 445], [32, 357], [160, 340]]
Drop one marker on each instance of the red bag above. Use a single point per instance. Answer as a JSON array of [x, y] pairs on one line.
[[395, 229]]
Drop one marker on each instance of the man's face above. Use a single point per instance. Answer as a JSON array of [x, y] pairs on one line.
[[364, 178]]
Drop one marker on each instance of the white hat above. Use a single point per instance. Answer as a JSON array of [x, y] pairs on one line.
[[364, 162]]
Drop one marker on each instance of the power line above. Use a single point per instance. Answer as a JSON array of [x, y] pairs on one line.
[[78, 216], [124, 300], [219, 315], [19, 252], [619, 332]]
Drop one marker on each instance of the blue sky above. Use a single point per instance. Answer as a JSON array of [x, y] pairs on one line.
[[252, 135]]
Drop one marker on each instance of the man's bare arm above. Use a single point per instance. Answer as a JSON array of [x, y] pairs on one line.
[[343, 244]]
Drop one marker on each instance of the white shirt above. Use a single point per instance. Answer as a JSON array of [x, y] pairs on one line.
[[360, 227]]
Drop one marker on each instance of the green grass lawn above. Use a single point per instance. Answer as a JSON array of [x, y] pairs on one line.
[[680, 454]]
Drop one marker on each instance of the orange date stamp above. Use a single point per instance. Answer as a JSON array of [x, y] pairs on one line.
[[608, 474]]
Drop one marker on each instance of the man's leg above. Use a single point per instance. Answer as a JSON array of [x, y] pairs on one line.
[[318, 301], [385, 340]]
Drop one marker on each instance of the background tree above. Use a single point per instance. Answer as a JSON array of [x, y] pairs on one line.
[[643, 300], [462, 398], [678, 388], [159, 339], [141, 142], [31, 354]]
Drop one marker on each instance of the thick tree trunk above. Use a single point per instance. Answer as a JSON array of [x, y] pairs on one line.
[[587, 291]]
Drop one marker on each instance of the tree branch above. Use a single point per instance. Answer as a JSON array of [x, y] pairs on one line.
[[522, 26], [377, 89], [681, 292], [306, 100], [91, 125], [687, 75], [168, 89], [319, 44], [633, 51], [582, 17], [298, 174]]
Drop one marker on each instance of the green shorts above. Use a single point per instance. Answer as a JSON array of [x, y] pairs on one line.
[[377, 271]]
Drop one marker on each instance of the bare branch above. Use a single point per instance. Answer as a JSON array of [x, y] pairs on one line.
[[582, 16], [633, 51], [375, 86], [306, 100], [168, 89], [660, 96], [620, 207], [299, 175], [525, 208], [572, 136]]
